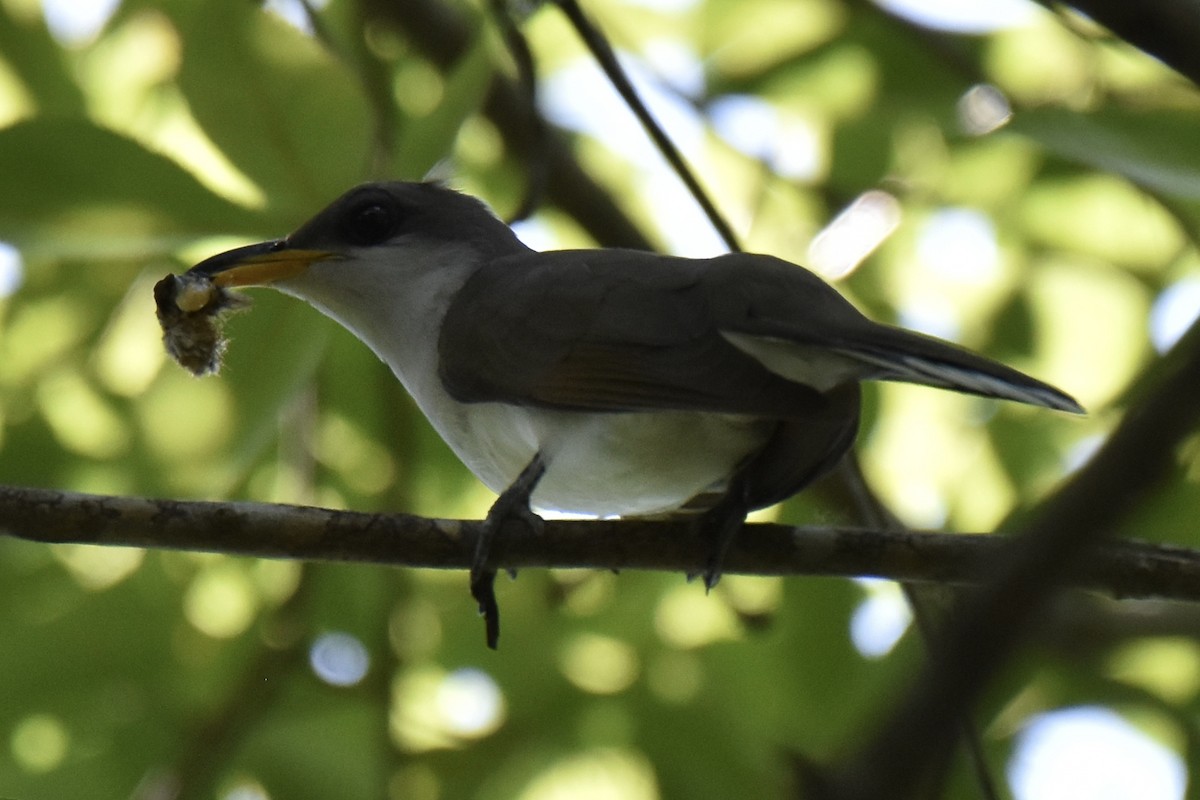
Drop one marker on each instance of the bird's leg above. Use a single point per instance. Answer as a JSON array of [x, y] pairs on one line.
[[719, 526], [511, 507]]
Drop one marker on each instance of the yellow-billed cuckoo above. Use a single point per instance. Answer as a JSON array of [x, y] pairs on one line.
[[606, 382]]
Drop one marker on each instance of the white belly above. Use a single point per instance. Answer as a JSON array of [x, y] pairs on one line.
[[603, 464]]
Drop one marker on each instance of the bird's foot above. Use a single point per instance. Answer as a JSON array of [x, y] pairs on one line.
[[511, 508], [719, 526]]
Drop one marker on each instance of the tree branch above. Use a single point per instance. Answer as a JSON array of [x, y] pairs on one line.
[[1166, 29], [1124, 569]]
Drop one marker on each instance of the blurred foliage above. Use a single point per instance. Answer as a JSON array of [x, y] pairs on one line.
[[1062, 241]]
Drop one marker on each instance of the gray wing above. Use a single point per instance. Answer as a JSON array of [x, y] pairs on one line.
[[605, 330], [625, 330]]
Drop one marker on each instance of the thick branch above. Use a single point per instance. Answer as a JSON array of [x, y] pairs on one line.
[[1166, 29], [1125, 569]]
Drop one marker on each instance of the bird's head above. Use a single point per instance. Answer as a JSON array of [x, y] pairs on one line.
[[384, 260], [377, 237]]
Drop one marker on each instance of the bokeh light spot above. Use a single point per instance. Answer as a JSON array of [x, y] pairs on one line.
[[1092, 753], [470, 702], [959, 244], [39, 743], [12, 269], [81, 419], [434, 709], [599, 664], [596, 775], [880, 619], [98, 568], [982, 109], [77, 22], [220, 601], [246, 790], [854, 234], [686, 617], [1173, 312], [339, 659]]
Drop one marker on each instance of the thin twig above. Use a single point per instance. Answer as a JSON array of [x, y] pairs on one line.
[[534, 147], [440, 33], [602, 51]]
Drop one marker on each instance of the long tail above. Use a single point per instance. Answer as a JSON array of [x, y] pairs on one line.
[[902, 355]]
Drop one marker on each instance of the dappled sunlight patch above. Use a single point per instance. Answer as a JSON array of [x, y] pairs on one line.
[[276, 580], [417, 87], [1086, 315], [1166, 667], [793, 145], [1039, 63], [82, 420], [363, 464], [126, 71], [184, 418], [130, 354], [854, 234], [599, 664], [435, 709], [602, 774], [39, 334], [99, 568], [585, 591], [245, 789], [751, 596], [39, 743], [686, 617], [220, 600], [1104, 217]]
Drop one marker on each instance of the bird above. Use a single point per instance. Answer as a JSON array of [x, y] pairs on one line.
[[604, 382]]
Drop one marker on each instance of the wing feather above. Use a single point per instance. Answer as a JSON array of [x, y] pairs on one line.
[[603, 330], [622, 330]]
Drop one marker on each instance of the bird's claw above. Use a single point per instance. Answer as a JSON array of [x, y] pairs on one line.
[[510, 509]]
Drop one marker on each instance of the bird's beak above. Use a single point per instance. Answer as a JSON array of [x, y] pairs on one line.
[[258, 264]]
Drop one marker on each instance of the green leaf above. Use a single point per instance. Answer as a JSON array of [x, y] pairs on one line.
[[287, 113], [1154, 149], [73, 187], [40, 64]]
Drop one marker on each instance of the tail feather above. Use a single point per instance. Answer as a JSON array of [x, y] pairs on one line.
[[915, 358]]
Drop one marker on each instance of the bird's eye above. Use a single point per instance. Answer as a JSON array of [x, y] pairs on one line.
[[370, 223]]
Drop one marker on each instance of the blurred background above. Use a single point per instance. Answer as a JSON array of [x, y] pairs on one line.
[[1011, 178]]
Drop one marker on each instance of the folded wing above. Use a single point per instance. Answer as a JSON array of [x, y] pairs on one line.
[[612, 330]]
